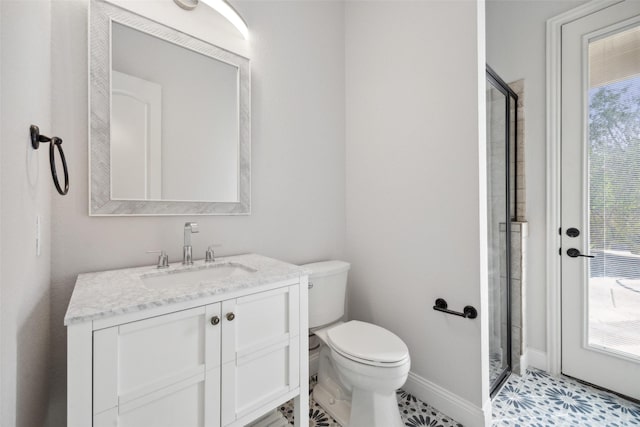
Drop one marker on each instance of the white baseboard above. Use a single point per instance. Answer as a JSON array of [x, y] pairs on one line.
[[536, 359], [524, 364], [449, 403], [487, 410]]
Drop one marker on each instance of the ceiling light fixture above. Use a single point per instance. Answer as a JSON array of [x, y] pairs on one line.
[[223, 8]]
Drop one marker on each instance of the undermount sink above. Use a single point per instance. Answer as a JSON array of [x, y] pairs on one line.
[[208, 274]]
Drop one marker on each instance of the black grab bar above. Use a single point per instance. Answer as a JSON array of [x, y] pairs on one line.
[[469, 312]]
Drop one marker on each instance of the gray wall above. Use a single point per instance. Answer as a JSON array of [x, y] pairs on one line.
[[298, 165], [415, 181], [25, 194], [516, 46]]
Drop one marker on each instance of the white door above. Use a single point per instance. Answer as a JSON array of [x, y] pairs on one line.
[[601, 198], [136, 138]]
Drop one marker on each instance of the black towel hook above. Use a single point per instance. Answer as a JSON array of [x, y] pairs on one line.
[[36, 139]]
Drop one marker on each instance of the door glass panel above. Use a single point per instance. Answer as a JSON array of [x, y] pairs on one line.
[[497, 232], [614, 193]]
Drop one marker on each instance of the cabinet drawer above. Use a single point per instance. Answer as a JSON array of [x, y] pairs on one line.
[[257, 379], [264, 376], [193, 402], [161, 347], [183, 406]]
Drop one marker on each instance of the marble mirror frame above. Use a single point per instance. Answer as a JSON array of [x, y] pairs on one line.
[[101, 16]]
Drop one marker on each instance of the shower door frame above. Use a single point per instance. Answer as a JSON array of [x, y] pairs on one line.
[[510, 96]]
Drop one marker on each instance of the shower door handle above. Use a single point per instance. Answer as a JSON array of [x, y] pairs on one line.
[[575, 253]]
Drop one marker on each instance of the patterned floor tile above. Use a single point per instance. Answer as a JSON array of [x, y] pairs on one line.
[[540, 399], [414, 412], [495, 366], [536, 399]]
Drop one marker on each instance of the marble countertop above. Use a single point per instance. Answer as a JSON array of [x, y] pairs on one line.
[[110, 293]]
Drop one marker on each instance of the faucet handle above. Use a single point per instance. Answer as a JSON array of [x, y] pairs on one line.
[[209, 255], [163, 258], [192, 226]]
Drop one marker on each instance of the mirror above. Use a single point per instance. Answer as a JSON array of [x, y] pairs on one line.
[[174, 121], [170, 120]]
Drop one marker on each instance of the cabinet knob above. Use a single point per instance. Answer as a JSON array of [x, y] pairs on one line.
[[230, 316], [215, 320]]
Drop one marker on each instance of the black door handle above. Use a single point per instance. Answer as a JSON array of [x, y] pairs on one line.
[[574, 253], [573, 232]]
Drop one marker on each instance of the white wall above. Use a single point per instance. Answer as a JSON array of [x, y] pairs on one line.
[[25, 193], [516, 43], [298, 212], [1, 157], [416, 188]]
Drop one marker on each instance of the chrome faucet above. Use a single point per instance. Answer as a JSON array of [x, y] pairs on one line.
[[189, 228]]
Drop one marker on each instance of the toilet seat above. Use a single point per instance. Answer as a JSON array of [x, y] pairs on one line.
[[368, 344]]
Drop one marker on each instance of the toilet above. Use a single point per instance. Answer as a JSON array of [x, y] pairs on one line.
[[361, 365]]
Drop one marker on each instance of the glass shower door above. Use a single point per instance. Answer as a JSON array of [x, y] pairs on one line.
[[501, 104]]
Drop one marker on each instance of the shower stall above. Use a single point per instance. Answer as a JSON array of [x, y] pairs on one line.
[[501, 185]]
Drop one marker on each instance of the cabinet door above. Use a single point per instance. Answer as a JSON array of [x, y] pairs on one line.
[[162, 371], [260, 350]]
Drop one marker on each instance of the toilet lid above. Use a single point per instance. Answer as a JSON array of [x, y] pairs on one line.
[[367, 342]]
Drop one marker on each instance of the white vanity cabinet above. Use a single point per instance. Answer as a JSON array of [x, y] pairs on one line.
[[217, 361]]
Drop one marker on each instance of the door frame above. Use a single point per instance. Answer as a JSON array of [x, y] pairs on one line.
[[553, 146]]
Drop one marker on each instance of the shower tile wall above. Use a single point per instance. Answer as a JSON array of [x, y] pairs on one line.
[[519, 237], [521, 194], [519, 234]]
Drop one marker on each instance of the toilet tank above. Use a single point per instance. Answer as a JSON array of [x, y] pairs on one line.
[[327, 291]]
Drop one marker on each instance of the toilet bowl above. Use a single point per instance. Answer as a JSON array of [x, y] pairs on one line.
[[361, 365], [373, 363]]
